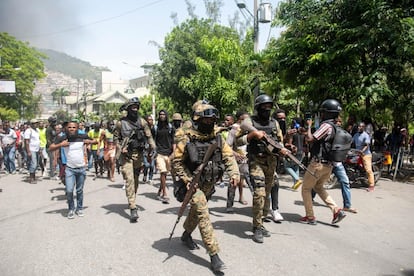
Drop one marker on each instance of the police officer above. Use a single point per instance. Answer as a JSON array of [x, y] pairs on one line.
[[262, 164], [131, 135], [192, 143], [320, 163]]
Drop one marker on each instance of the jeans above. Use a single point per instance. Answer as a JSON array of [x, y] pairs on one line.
[[292, 168], [9, 154], [149, 166], [33, 161], [75, 177], [51, 159], [340, 173]]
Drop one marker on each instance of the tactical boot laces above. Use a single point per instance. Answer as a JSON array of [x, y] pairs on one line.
[[217, 265], [188, 240], [258, 235], [134, 214]]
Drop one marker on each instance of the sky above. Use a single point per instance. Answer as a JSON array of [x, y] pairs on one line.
[[118, 34]]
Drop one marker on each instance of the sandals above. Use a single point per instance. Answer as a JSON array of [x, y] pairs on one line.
[[243, 202], [351, 210]]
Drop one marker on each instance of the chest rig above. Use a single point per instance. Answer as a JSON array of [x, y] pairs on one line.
[[195, 151], [256, 147]]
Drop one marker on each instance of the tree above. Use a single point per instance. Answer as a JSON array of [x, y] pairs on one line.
[[18, 55], [359, 52], [59, 95], [201, 59]]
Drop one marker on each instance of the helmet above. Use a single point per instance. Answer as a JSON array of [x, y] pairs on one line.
[[204, 110], [197, 103], [262, 99], [177, 117], [330, 106], [132, 101], [52, 119]]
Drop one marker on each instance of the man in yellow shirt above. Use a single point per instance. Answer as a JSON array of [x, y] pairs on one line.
[[97, 149]]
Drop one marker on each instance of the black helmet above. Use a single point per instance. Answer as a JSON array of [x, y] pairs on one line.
[[52, 119], [262, 99], [132, 101], [330, 106]]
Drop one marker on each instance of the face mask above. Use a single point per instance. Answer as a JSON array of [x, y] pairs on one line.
[[264, 114], [132, 115], [177, 124], [282, 124], [205, 128]]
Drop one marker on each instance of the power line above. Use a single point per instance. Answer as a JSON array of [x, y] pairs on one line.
[[94, 22]]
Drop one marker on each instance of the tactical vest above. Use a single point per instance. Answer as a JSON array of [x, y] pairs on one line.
[[335, 148], [195, 151], [259, 147], [138, 140]]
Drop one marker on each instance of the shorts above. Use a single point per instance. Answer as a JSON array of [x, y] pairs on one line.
[[163, 163]]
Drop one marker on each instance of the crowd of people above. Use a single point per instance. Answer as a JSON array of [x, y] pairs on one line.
[[248, 150]]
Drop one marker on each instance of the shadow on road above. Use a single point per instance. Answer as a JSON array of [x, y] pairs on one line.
[[234, 227], [120, 209], [62, 212], [117, 186], [176, 248]]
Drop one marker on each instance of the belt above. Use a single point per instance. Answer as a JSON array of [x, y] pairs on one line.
[[322, 161]]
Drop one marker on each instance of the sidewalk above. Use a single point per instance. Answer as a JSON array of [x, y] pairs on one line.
[[36, 238]]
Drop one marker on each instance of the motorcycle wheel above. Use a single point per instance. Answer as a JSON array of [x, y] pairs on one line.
[[377, 173], [332, 182]]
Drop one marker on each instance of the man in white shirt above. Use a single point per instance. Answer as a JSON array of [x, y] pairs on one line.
[[8, 140], [32, 140]]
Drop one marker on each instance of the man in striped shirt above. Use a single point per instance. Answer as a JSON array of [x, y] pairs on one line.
[[320, 163]]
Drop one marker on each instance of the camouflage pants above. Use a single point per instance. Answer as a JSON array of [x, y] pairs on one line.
[[199, 215], [262, 171], [130, 172]]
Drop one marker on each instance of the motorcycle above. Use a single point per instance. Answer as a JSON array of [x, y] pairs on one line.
[[355, 170]]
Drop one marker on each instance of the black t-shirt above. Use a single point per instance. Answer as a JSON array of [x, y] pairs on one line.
[[164, 139]]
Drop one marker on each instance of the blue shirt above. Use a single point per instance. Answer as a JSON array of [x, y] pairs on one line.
[[360, 139]]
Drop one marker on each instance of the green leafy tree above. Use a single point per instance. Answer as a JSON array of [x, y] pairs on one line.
[[359, 52], [22, 64], [201, 59]]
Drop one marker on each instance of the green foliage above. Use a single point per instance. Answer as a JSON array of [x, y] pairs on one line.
[[18, 55], [62, 116], [201, 59], [359, 52], [110, 111], [59, 95], [8, 114], [71, 66]]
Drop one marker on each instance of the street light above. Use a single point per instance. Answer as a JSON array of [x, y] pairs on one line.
[[263, 14]]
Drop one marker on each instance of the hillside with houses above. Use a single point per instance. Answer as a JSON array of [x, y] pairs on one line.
[[73, 85]]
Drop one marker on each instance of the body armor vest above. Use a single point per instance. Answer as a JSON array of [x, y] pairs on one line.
[[259, 147], [138, 139], [214, 168]]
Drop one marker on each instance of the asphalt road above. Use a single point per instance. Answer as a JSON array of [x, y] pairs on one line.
[[36, 238]]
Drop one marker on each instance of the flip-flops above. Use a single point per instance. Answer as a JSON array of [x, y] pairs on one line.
[[351, 210]]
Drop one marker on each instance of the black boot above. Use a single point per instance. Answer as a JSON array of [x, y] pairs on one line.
[[134, 215], [217, 265], [258, 235], [188, 240]]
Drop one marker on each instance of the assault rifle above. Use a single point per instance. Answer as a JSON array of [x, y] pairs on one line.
[[193, 184], [124, 144], [272, 145]]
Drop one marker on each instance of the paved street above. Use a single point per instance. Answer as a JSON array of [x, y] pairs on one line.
[[36, 238]]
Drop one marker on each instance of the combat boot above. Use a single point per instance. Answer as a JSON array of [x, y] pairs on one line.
[[258, 235], [217, 265], [134, 215], [188, 240]]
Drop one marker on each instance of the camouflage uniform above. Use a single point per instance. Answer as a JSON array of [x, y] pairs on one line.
[[131, 161], [262, 173], [198, 214]]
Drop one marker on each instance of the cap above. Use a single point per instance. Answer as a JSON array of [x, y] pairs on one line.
[[34, 121]]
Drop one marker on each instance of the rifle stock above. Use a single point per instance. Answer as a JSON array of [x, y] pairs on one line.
[[271, 144], [124, 144], [193, 184]]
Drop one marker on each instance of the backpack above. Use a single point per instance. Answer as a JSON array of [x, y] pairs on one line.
[[339, 145], [170, 130]]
